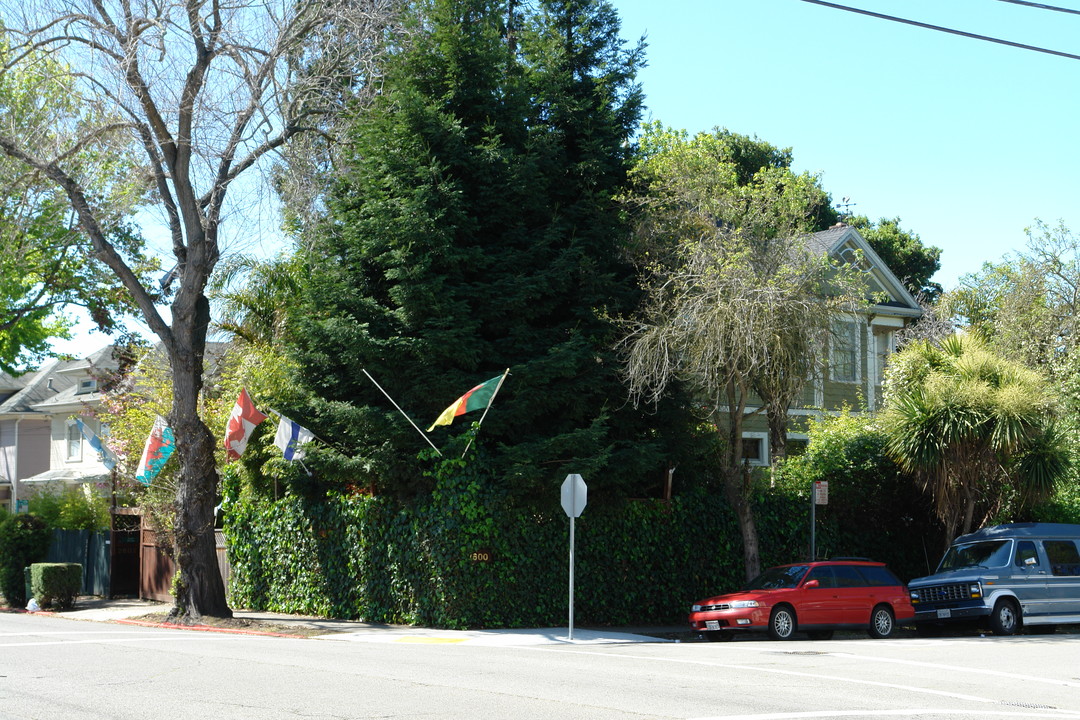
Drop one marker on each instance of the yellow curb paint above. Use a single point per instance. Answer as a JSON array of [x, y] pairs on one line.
[[431, 640]]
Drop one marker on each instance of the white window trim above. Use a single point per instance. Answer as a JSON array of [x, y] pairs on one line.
[[77, 456], [763, 461]]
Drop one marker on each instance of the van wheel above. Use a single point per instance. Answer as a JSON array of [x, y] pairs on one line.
[[782, 623], [1005, 620], [882, 622]]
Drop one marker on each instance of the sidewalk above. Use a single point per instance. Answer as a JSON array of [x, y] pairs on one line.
[[126, 610]]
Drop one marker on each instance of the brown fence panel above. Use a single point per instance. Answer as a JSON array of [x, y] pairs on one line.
[[156, 570]]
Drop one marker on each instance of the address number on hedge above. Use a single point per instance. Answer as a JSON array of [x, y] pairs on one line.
[[482, 556]]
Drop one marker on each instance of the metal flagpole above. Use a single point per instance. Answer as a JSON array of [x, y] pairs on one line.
[[490, 400], [402, 412]]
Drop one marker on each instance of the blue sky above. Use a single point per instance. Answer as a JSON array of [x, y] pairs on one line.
[[966, 141]]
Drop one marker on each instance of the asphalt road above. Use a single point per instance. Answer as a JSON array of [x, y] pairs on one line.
[[53, 667]]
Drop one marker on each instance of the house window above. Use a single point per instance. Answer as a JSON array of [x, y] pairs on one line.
[[885, 340], [755, 448], [74, 442], [87, 385], [796, 445], [844, 358]]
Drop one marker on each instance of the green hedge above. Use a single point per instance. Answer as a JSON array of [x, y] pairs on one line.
[[56, 585], [466, 557]]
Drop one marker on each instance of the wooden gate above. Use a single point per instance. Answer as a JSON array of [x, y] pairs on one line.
[[156, 569]]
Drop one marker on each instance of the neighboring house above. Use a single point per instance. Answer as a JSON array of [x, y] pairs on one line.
[[40, 442], [857, 352]]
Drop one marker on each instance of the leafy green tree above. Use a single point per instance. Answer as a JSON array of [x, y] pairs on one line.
[[976, 429], [737, 308], [476, 229]]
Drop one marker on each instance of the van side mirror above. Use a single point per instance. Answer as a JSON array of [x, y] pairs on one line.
[[1031, 561]]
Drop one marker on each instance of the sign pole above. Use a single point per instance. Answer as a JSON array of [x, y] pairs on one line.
[[571, 577], [575, 495], [813, 526]]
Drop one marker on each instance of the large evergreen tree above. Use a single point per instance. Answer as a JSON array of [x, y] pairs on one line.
[[475, 230]]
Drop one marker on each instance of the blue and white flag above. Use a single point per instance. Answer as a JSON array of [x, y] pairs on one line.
[[290, 437], [107, 456]]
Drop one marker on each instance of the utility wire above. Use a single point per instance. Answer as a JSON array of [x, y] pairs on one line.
[[939, 28], [1042, 6]]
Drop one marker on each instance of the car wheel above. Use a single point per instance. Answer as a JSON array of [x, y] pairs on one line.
[[782, 623], [1005, 620], [820, 634], [718, 635], [882, 622]]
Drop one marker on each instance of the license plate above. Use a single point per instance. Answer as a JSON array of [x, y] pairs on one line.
[[712, 624], [944, 614]]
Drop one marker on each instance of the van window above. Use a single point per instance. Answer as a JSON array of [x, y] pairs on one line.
[[1064, 560], [987, 554], [1026, 555]]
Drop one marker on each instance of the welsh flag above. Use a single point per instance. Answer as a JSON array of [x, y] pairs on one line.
[[479, 398], [242, 423], [157, 451]]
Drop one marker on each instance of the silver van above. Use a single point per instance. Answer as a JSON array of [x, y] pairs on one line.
[[1005, 577]]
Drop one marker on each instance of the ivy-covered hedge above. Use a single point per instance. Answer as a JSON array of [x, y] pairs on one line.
[[466, 557]]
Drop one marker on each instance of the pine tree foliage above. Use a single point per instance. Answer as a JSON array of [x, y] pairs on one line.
[[476, 230]]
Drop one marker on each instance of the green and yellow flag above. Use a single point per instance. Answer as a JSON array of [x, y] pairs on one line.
[[479, 398]]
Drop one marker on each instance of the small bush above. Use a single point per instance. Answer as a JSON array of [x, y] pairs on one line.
[[56, 585], [24, 540]]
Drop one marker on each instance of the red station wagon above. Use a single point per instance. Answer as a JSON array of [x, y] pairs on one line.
[[813, 597]]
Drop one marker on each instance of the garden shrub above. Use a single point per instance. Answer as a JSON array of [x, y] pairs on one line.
[[24, 540], [70, 508], [56, 585]]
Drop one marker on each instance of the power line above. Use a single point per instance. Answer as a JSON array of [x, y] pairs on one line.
[[1042, 6], [939, 28]]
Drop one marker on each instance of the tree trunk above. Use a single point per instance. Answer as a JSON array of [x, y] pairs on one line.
[[200, 589], [778, 422], [735, 490]]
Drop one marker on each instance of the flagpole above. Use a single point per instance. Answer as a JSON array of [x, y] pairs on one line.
[[364, 370], [490, 401]]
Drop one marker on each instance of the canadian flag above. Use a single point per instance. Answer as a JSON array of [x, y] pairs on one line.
[[242, 422]]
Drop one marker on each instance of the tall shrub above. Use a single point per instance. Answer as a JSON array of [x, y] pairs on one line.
[[24, 540]]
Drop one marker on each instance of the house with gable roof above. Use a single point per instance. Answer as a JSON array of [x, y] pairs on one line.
[[858, 349], [40, 442]]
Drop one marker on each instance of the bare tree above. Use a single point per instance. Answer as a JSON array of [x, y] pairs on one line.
[[206, 91]]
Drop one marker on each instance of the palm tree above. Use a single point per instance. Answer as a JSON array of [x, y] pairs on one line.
[[255, 297], [973, 428]]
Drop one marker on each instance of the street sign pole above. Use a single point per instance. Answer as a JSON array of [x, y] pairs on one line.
[[571, 577], [574, 498], [819, 495]]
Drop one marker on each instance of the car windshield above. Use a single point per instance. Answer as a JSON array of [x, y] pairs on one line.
[[777, 578], [988, 553]]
